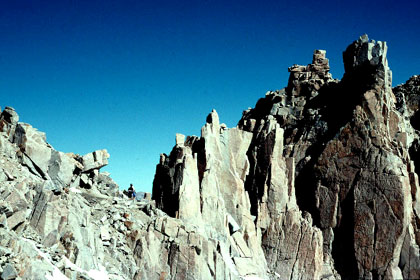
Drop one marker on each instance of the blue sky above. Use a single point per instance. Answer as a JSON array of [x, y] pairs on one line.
[[128, 75]]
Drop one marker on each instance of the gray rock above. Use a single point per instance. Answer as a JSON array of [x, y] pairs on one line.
[[95, 160], [8, 120], [9, 115], [51, 239], [9, 272], [3, 221], [5, 208], [105, 236], [16, 219], [61, 168], [34, 147]]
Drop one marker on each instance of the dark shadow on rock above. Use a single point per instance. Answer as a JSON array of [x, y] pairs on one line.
[[343, 245]]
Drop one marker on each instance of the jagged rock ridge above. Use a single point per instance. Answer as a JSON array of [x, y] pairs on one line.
[[329, 175], [318, 181]]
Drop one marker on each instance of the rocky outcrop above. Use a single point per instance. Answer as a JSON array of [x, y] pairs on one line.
[[364, 167], [329, 165], [202, 182], [61, 218], [243, 173], [47, 215], [318, 181]]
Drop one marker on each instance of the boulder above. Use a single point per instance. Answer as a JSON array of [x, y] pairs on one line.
[[5, 208], [36, 153], [9, 272], [105, 236], [3, 221], [16, 219], [95, 160], [61, 168], [9, 115], [8, 121]]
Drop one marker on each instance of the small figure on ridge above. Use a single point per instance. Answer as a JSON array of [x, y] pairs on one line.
[[131, 192]]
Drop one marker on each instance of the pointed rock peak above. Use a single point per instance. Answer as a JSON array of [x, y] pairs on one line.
[[95, 160], [9, 115], [366, 58], [213, 118], [364, 38], [320, 64], [319, 61], [304, 80], [179, 139], [365, 52]]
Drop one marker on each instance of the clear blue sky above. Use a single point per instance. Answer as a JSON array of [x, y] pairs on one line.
[[128, 75]]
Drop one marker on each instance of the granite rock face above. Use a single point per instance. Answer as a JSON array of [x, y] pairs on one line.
[[318, 181], [326, 169]]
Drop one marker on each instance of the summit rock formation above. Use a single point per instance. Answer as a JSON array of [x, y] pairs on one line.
[[321, 174], [318, 181]]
